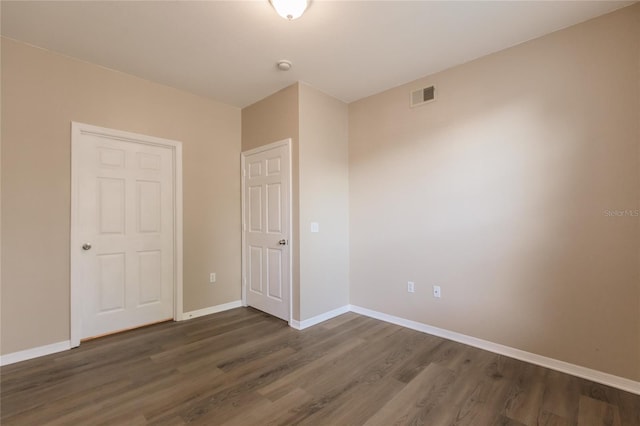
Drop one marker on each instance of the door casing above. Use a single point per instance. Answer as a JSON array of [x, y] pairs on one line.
[[77, 130], [243, 156]]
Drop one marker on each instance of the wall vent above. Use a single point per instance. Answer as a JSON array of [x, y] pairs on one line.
[[423, 96]]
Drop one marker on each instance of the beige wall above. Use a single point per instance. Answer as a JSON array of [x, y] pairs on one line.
[[272, 119], [497, 192], [324, 198], [42, 93]]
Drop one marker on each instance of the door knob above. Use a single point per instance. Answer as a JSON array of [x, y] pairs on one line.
[[282, 242], [86, 246]]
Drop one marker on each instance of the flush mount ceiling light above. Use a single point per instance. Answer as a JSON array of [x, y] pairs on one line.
[[290, 9]]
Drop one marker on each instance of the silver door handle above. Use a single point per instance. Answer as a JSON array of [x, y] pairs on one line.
[[86, 246], [282, 242]]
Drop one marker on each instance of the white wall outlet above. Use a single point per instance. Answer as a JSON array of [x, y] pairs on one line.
[[315, 227], [411, 287], [436, 291], [212, 277]]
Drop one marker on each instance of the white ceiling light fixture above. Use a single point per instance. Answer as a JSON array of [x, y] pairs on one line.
[[290, 9]]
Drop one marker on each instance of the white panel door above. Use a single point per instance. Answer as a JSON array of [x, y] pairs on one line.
[[266, 230], [125, 220]]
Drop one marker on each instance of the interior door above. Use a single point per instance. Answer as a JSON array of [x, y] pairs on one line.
[[266, 249], [125, 235]]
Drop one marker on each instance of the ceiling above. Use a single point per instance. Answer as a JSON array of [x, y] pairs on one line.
[[227, 50]]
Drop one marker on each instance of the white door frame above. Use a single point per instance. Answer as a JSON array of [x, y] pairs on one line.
[[243, 156], [77, 130]]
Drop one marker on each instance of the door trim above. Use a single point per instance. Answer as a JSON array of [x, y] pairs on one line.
[[243, 156], [77, 130]]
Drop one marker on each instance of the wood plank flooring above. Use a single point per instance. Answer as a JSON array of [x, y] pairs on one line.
[[242, 367]]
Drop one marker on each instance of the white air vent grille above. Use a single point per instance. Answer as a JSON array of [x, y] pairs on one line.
[[423, 96]]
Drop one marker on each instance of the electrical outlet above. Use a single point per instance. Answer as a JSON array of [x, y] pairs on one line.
[[436, 291], [411, 288], [212, 277]]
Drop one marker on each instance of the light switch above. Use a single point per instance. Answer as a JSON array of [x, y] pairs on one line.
[[315, 227]]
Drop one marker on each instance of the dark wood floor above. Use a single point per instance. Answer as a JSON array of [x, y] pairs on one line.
[[242, 367]]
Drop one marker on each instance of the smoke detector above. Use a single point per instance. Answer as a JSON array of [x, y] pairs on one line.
[[284, 65]]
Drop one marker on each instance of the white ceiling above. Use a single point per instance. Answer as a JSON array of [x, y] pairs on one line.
[[227, 50]]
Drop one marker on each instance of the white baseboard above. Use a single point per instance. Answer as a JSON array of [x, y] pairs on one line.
[[301, 325], [211, 310], [543, 361], [554, 364], [35, 352], [63, 346]]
